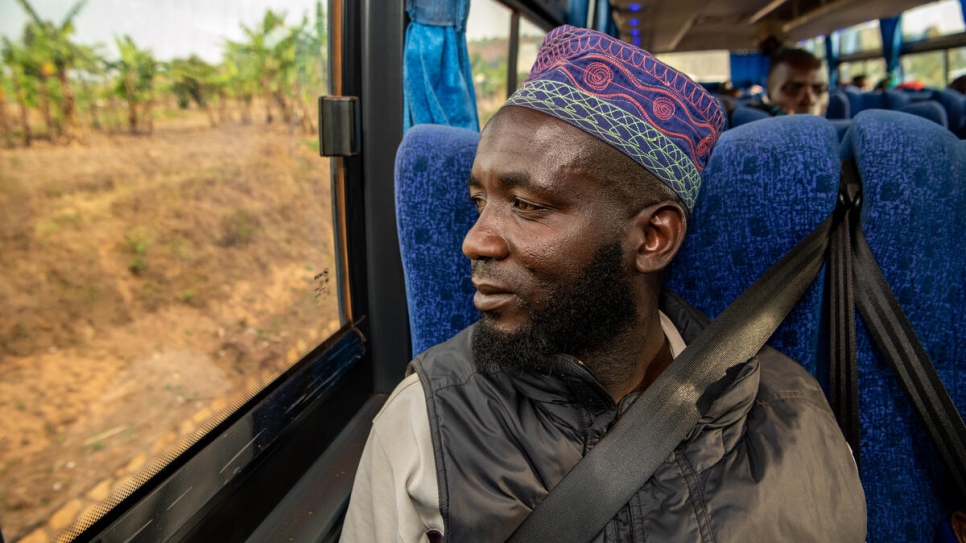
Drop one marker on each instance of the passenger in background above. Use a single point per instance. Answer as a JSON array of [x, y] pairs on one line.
[[797, 83], [861, 82], [959, 84], [584, 183]]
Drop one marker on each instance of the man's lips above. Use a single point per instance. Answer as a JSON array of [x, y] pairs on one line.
[[490, 296]]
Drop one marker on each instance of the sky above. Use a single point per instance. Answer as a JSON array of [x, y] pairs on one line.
[[178, 28]]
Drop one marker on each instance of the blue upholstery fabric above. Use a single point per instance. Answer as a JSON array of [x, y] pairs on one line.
[[433, 214], [437, 83], [896, 99], [841, 126], [744, 115], [914, 217], [838, 106], [955, 105], [767, 186], [928, 110]]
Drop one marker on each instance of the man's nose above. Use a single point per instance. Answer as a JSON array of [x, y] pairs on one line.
[[485, 240], [808, 98]]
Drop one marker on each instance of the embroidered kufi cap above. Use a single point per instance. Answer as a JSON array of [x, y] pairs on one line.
[[624, 96]]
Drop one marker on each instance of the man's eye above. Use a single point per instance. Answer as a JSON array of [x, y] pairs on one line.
[[523, 205], [479, 202], [819, 89], [794, 88]]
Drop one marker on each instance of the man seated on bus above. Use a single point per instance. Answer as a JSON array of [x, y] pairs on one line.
[[797, 83], [584, 182]]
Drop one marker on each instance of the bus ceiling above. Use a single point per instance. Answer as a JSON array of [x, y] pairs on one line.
[[698, 25]]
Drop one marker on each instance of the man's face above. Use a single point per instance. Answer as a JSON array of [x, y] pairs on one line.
[[545, 227], [799, 90]]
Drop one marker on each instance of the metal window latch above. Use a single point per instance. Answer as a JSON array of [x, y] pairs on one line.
[[340, 126]]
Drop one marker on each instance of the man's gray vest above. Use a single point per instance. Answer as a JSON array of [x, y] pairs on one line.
[[766, 463]]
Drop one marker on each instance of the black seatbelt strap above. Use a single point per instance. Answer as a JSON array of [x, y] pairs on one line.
[[661, 418], [843, 380], [897, 342]]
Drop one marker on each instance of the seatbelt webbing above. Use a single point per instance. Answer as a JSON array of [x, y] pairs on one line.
[[843, 380], [897, 341], [607, 477]]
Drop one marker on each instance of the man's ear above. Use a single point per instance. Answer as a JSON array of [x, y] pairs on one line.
[[659, 231]]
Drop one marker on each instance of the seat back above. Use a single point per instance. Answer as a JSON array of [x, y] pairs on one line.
[[927, 110], [955, 104], [767, 185], [433, 214], [914, 216], [838, 106], [744, 115]]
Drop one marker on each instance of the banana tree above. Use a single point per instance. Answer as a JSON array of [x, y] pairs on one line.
[[53, 41]]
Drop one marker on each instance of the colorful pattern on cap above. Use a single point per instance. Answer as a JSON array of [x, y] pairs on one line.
[[622, 95]]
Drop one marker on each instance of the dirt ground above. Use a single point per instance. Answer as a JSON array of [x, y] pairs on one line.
[[147, 281]]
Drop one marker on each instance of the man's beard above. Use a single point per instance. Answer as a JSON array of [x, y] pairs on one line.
[[579, 318]]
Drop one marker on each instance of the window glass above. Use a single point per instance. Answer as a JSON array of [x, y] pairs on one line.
[[932, 20], [701, 66], [926, 68], [487, 39], [166, 238], [873, 69], [815, 46], [861, 37], [531, 36], [957, 64]]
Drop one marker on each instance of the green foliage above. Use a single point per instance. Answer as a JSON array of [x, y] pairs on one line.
[[282, 65], [136, 242]]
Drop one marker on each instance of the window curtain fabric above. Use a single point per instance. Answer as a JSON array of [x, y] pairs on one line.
[[438, 85], [577, 13], [748, 69], [604, 17], [833, 54], [891, 30]]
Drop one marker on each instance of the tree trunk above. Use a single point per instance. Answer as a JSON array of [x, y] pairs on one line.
[[283, 105], [92, 109], [67, 105], [223, 115], [4, 122], [147, 115], [132, 109], [267, 96], [22, 100], [45, 107], [308, 126], [245, 104], [205, 105]]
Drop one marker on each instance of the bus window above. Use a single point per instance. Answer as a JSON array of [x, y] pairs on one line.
[[702, 66], [957, 63], [861, 38], [531, 36], [487, 39], [932, 20], [926, 68], [166, 236], [873, 69]]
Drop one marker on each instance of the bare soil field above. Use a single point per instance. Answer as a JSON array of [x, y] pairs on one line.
[[147, 281]]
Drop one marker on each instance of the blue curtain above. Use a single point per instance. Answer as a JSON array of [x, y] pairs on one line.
[[577, 13], [604, 15], [962, 5], [748, 69], [833, 48], [891, 30], [436, 65]]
